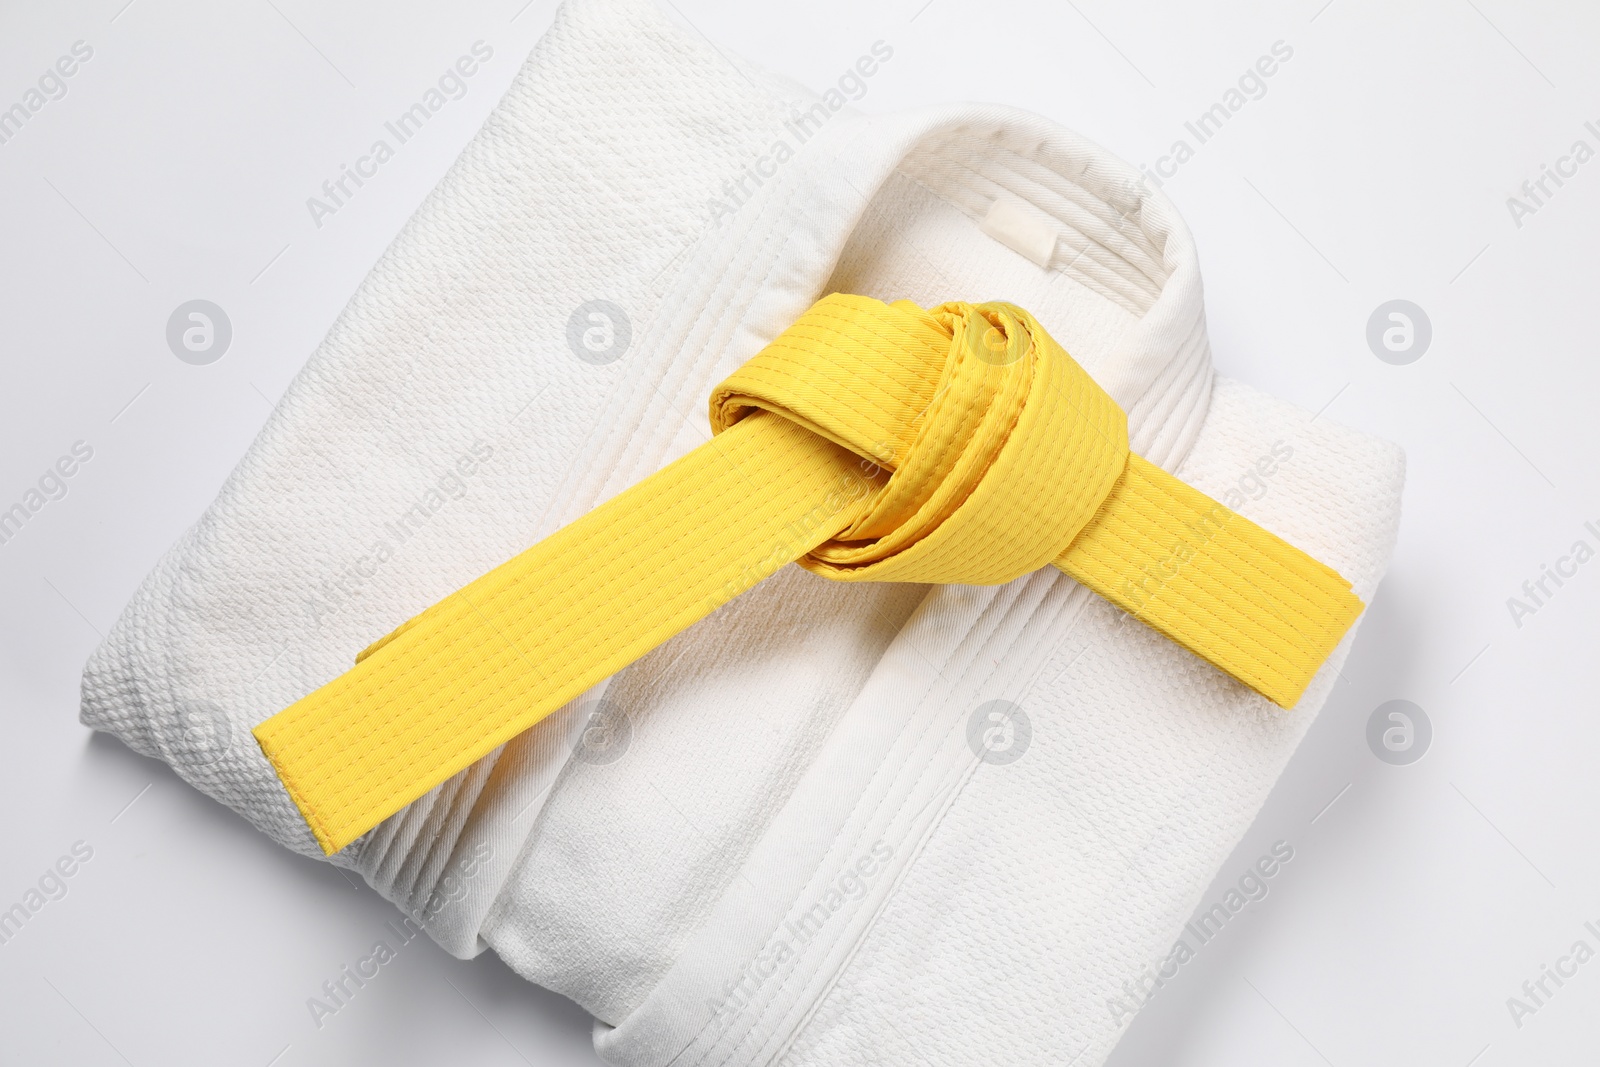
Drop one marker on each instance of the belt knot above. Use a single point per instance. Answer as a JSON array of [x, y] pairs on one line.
[[998, 447]]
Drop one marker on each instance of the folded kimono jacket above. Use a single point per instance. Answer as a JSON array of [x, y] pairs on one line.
[[831, 823]]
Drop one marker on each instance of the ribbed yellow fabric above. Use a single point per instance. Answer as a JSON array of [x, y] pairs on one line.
[[868, 442]]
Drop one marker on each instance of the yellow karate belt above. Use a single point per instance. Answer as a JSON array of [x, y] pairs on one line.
[[869, 442]]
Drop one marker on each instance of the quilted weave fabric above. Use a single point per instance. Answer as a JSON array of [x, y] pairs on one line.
[[832, 823]]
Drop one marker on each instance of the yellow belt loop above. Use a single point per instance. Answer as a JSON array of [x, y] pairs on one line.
[[868, 442]]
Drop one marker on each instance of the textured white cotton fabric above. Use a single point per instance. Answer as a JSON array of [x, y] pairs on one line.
[[779, 843]]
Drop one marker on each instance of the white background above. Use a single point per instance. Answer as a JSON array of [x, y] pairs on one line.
[[1376, 166]]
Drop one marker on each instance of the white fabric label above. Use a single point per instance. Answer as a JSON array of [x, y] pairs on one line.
[[1020, 230]]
